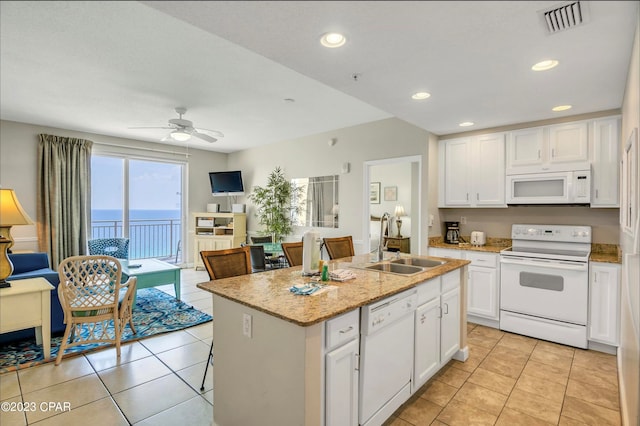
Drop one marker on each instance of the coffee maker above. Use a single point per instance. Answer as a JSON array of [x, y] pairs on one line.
[[452, 233]]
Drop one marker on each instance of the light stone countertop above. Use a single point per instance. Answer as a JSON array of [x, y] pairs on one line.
[[269, 291]]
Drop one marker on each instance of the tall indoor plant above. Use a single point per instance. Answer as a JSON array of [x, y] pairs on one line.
[[274, 206]]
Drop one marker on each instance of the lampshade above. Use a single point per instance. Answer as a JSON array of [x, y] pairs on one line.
[[399, 211], [11, 212], [180, 135]]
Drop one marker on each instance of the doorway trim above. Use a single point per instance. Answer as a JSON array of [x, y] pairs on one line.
[[416, 218]]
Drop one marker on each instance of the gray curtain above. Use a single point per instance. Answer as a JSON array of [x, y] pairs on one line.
[[64, 196]]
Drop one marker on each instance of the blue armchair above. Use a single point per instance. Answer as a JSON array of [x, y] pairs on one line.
[[31, 265]]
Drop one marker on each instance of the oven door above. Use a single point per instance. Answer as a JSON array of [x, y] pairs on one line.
[[552, 289]]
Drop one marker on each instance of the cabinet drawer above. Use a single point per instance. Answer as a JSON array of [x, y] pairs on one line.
[[450, 280], [342, 329], [489, 260], [428, 290], [446, 253]]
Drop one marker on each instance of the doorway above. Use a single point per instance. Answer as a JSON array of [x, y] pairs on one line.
[[396, 182]]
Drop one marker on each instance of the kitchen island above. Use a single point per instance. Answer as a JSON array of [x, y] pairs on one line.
[[271, 345]]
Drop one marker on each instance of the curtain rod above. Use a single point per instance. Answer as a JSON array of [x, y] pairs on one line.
[[186, 154]]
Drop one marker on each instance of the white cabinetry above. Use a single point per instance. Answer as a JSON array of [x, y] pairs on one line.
[[437, 326], [483, 284], [217, 231], [604, 303], [473, 172], [561, 147], [605, 141], [341, 369], [483, 289]]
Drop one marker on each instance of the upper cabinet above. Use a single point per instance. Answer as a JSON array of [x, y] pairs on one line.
[[561, 147], [604, 143], [473, 172]]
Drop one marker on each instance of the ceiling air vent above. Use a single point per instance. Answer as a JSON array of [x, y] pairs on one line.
[[564, 16]]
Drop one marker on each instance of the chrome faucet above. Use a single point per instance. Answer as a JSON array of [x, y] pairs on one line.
[[385, 216]]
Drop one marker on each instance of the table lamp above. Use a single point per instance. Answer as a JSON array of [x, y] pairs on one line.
[[398, 213], [11, 213]]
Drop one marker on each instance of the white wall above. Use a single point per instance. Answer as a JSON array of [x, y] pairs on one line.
[[312, 156], [18, 170]]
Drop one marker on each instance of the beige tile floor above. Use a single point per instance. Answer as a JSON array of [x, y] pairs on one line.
[[508, 380]]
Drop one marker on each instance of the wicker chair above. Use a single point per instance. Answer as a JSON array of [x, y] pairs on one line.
[[93, 298], [227, 263], [293, 253], [339, 247], [116, 247]]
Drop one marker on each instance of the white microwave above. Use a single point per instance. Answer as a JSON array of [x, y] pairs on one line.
[[550, 188]]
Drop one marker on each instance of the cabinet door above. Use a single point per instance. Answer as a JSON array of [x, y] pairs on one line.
[[488, 168], [450, 326], [483, 292], [457, 172], [223, 243], [341, 385], [604, 163], [604, 301], [525, 147], [202, 244], [427, 342], [568, 143]]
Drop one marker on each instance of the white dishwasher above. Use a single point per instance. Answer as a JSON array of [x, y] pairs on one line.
[[386, 356]]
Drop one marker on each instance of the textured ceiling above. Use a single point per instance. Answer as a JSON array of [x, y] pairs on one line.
[[102, 67]]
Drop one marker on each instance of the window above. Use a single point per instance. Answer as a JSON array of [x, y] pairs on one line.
[[138, 199]]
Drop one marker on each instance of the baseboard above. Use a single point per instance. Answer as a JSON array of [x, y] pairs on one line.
[[601, 347], [483, 321], [462, 354]]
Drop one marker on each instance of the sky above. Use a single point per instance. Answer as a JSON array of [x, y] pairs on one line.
[[153, 185]]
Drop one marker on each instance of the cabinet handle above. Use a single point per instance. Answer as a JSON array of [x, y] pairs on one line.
[[423, 318], [346, 330], [446, 305], [538, 154], [553, 152], [439, 311], [477, 196], [467, 196], [357, 362], [596, 193]]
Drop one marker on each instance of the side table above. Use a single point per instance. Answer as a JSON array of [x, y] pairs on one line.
[[26, 304], [400, 243]]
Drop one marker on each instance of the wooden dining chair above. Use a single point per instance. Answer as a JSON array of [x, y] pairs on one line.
[[293, 253], [227, 263], [339, 247]]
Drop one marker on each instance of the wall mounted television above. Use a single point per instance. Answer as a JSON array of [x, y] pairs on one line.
[[226, 183]]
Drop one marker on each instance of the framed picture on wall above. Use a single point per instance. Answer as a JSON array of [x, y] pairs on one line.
[[390, 193], [374, 193]]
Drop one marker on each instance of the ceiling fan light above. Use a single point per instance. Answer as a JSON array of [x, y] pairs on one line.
[[180, 135]]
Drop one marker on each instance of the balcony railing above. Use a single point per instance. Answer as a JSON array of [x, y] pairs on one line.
[[148, 238]]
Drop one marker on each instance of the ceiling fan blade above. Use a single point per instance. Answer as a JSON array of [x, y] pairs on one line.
[[204, 137], [213, 133], [163, 127]]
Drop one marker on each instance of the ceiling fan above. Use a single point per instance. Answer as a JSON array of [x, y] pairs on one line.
[[182, 129]]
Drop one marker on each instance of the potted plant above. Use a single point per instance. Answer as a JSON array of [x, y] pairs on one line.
[[274, 206]]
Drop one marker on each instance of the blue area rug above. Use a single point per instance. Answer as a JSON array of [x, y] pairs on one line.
[[156, 312]]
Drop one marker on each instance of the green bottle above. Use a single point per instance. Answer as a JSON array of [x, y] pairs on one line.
[[325, 272]]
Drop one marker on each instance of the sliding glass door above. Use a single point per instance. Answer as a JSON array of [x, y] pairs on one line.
[[140, 200]]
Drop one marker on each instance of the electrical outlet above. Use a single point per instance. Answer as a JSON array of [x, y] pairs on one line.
[[246, 325], [463, 220]]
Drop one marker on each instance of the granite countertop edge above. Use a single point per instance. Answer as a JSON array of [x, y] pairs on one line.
[[268, 291]]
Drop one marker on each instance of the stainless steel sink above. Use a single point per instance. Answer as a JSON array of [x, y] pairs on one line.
[[396, 268], [418, 261]]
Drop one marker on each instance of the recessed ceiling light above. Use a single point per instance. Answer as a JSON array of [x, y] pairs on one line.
[[333, 40], [466, 124], [545, 65], [420, 95], [561, 108]]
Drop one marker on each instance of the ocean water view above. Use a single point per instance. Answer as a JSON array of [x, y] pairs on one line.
[[152, 233]]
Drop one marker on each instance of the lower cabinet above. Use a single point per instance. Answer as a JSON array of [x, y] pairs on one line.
[[604, 303], [483, 288], [342, 345], [437, 326], [207, 244]]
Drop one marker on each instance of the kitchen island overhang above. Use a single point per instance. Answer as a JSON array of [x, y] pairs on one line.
[[274, 373]]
